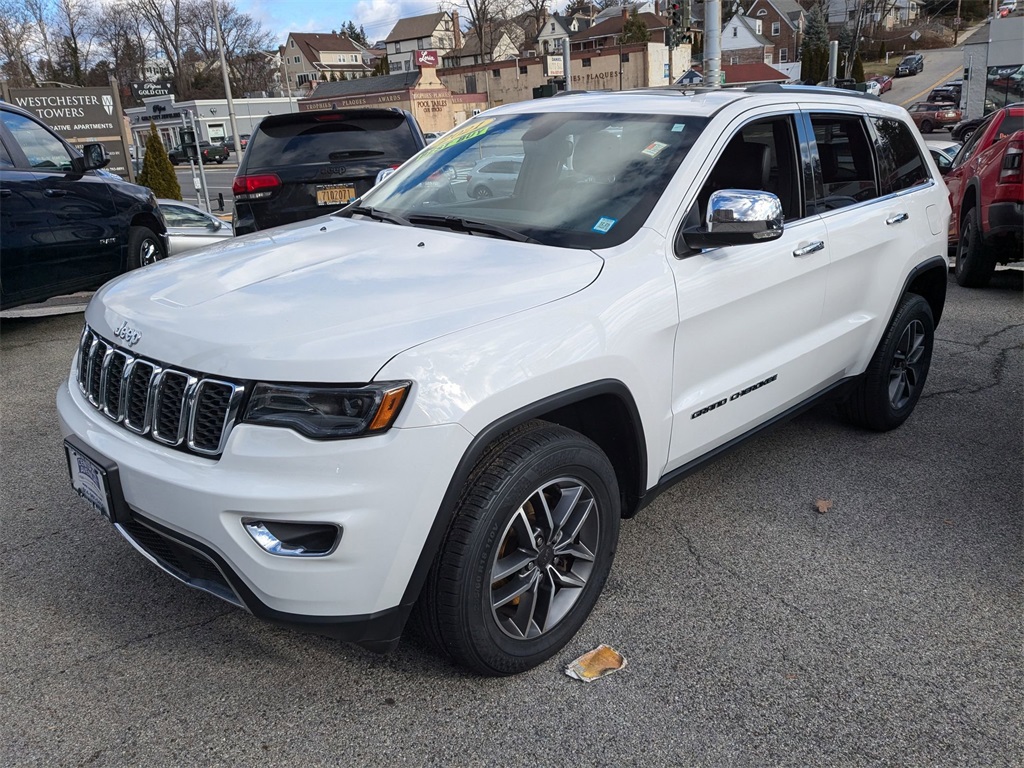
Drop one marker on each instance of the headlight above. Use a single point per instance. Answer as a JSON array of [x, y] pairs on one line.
[[324, 413]]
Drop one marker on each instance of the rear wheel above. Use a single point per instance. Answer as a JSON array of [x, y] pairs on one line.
[[527, 554], [926, 126], [974, 263], [888, 391], [144, 247], [482, 192]]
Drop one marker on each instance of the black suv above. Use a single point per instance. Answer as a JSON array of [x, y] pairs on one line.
[[63, 226], [299, 166], [911, 65]]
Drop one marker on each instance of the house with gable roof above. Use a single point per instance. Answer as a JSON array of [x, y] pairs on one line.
[[744, 42], [783, 24], [431, 32], [309, 57], [556, 27]]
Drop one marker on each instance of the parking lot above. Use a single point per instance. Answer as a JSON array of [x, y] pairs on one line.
[[758, 630]]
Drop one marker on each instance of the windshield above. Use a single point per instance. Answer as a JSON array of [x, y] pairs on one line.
[[578, 180]]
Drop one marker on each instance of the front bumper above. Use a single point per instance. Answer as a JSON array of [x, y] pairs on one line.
[[185, 514]]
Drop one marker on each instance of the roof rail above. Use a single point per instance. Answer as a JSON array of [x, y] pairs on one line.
[[818, 90]]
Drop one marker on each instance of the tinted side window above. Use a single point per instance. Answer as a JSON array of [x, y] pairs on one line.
[[183, 217], [900, 163], [761, 156], [846, 160], [44, 150]]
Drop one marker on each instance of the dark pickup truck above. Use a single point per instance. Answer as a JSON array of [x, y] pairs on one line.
[[212, 153]]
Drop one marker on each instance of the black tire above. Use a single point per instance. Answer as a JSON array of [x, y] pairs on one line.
[[144, 247], [173, 160], [221, 161], [891, 386], [975, 263], [926, 126], [482, 192], [532, 487]]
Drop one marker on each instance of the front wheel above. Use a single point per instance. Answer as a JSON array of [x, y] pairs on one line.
[[527, 554], [891, 386], [144, 247], [482, 192], [974, 264]]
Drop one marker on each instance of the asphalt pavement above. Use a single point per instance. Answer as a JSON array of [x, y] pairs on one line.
[[758, 630]]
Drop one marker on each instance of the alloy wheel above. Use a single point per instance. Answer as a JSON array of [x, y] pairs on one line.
[[907, 372]]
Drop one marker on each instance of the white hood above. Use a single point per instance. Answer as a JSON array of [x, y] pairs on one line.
[[329, 300]]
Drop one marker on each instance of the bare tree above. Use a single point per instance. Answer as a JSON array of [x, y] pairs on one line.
[[165, 20], [16, 43], [75, 22], [242, 35]]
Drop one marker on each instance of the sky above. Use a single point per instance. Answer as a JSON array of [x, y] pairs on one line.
[[377, 17]]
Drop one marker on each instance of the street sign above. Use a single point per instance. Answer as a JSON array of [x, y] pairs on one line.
[[915, 35], [81, 116]]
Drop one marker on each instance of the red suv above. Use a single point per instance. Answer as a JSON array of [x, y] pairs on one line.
[[929, 115], [986, 192]]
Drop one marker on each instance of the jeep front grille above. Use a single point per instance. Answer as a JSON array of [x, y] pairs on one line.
[[181, 409]]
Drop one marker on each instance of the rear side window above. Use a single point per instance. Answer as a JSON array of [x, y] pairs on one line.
[[901, 165], [332, 137], [846, 160]]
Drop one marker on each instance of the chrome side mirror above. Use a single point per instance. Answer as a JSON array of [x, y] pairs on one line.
[[738, 217]]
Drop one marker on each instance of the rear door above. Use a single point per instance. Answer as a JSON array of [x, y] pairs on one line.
[[876, 196]]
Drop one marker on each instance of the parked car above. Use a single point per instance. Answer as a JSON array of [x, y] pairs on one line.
[[986, 194], [931, 115], [494, 176], [432, 136], [65, 227], [870, 87], [212, 153], [306, 164], [911, 64], [884, 82], [945, 93], [243, 142], [942, 153], [453, 405], [189, 227]]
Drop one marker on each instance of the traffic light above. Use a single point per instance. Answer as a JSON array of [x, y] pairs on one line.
[[676, 15], [188, 142]]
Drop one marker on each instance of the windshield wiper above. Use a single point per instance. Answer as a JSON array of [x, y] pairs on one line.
[[376, 215], [458, 224]]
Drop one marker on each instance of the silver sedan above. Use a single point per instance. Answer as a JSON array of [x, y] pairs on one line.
[[189, 227]]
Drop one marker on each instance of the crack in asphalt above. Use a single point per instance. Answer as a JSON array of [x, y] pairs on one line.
[[997, 370]]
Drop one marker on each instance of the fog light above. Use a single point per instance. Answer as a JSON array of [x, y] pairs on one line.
[[294, 539]]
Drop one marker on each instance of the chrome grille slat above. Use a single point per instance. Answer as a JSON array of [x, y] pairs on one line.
[[177, 408]]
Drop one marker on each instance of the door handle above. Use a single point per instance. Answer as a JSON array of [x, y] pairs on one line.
[[51, 192], [897, 218], [817, 245]]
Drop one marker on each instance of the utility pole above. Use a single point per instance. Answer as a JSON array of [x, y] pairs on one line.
[[227, 80], [956, 23], [713, 44]]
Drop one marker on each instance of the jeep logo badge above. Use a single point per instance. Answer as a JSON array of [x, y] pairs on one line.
[[127, 334]]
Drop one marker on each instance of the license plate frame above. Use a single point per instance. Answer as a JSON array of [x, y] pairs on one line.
[[96, 480], [335, 194]]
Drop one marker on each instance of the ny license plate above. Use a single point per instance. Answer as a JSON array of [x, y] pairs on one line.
[[336, 194], [89, 480]]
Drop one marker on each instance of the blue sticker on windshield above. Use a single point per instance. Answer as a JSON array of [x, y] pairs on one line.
[[603, 225]]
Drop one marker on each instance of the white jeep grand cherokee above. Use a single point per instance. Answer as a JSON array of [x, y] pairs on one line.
[[433, 401]]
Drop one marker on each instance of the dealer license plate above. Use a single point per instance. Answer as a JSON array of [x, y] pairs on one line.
[[89, 480], [337, 194]]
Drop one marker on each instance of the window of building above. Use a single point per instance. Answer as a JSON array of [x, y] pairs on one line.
[[586, 62], [735, 31], [763, 12], [624, 58], [522, 70], [495, 73], [757, 26], [783, 55], [293, 43], [776, 27]]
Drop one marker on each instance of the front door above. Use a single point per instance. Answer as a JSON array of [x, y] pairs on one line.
[[747, 339]]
